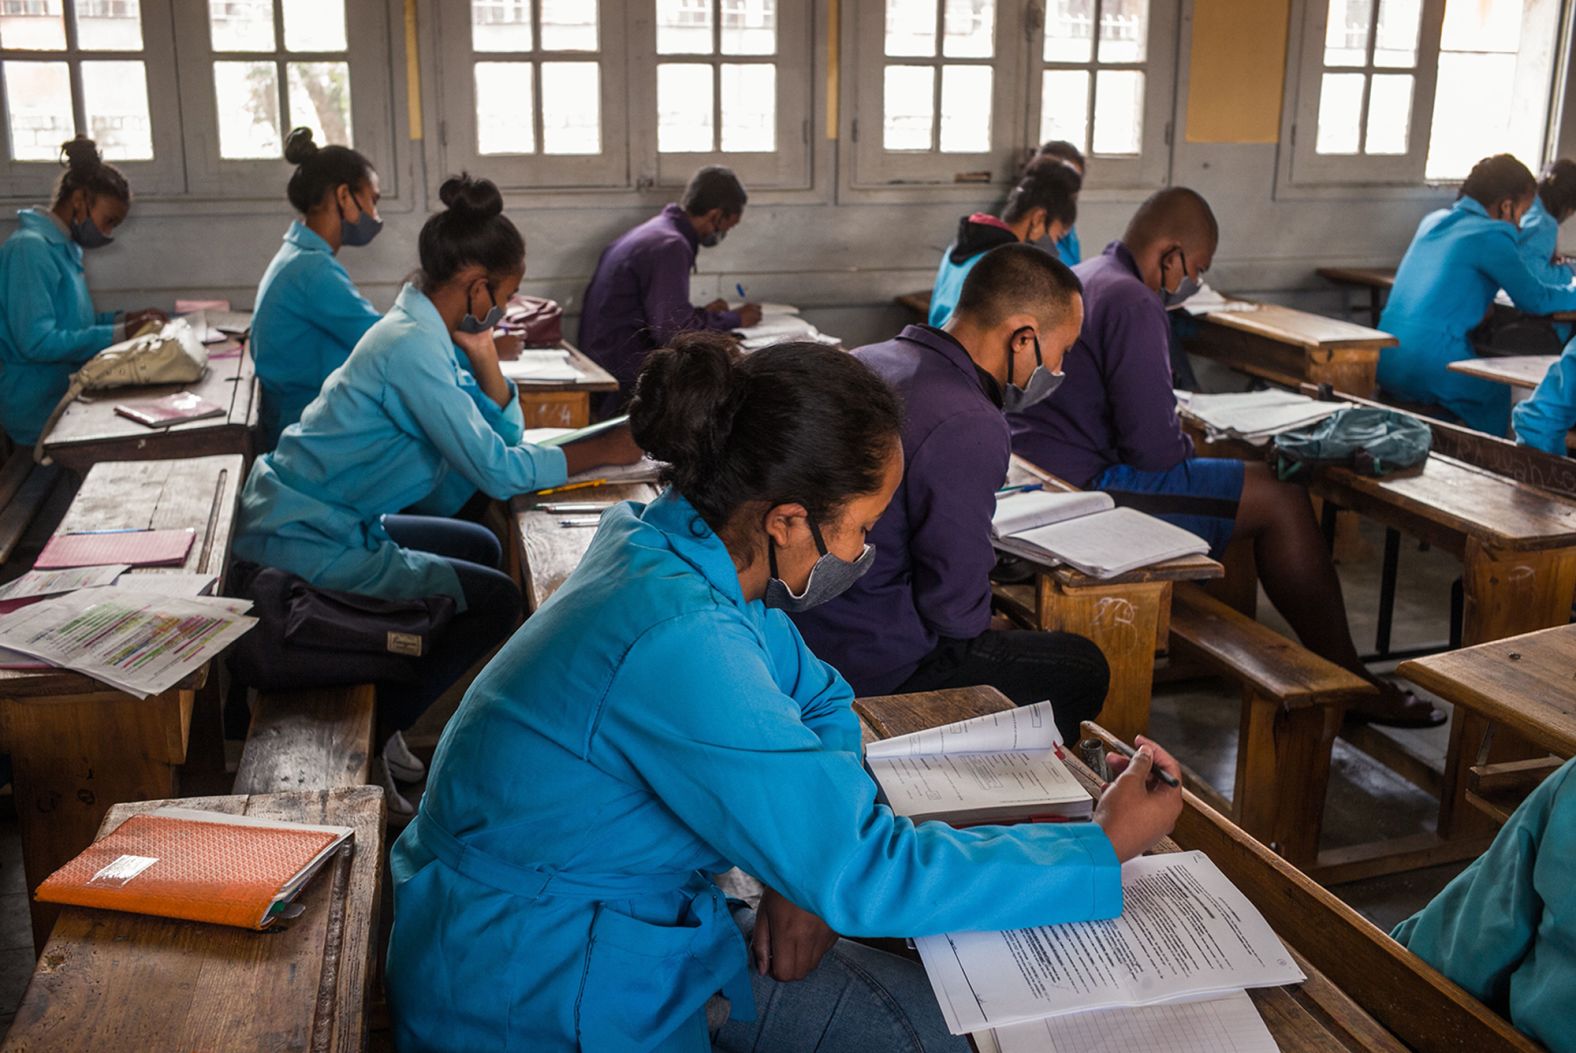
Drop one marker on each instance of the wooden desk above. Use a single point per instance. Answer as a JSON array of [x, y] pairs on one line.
[[1377, 280], [1520, 373], [108, 980], [1364, 991], [91, 431], [79, 746], [1128, 616], [917, 302], [1288, 347], [565, 403], [547, 553]]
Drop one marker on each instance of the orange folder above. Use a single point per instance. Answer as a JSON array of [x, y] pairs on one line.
[[200, 866]]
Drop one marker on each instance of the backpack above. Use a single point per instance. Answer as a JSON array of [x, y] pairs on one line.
[[1370, 441]]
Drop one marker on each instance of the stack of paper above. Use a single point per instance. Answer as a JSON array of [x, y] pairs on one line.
[[644, 470], [1208, 301], [779, 323], [542, 366], [1254, 416], [1216, 1025]]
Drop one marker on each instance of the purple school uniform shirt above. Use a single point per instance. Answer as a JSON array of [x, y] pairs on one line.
[[638, 299], [931, 577], [1116, 405]]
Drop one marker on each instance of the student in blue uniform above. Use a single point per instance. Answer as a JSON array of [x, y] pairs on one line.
[[1540, 226], [921, 619], [1044, 204], [1068, 249], [1505, 928], [1459, 259], [393, 426], [659, 720], [48, 327], [1544, 419], [309, 314]]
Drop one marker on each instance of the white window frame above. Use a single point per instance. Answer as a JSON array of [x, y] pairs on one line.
[[166, 172]]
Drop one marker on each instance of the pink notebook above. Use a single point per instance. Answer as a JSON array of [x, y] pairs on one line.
[[136, 548], [171, 409]]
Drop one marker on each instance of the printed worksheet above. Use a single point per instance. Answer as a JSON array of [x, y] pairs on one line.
[[1217, 1025], [54, 582], [1020, 728]]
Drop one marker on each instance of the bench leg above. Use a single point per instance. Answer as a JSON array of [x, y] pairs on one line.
[[1129, 623], [1283, 774]]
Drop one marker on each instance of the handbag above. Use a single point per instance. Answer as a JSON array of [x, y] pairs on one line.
[[536, 320], [344, 621]]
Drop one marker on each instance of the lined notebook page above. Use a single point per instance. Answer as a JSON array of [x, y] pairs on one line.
[[1220, 1025]]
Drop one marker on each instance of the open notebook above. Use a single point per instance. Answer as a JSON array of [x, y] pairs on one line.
[[1084, 529]]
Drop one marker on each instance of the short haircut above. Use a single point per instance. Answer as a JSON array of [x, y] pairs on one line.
[[1013, 278], [1049, 184], [1557, 188], [714, 186], [1494, 179], [1175, 212], [1064, 151]]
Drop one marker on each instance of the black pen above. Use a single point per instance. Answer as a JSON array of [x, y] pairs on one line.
[[1164, 776]]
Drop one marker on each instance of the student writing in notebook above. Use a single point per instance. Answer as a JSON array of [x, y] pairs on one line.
[[661, 720], [1113, 426], [921, 619], [48, 327], [394, 427]]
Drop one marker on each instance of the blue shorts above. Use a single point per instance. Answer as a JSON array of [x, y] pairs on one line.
[[1199, 495]]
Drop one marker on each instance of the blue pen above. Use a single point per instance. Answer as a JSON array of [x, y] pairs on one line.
[[117, 530], [1021, 489], [742, 294]]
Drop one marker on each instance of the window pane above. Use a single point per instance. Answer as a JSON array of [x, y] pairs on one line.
[[248, 98], [320, 100], [504, 104], [1399, 23], [571, 106], [1118, 111], [115, 101], [241, 25], [970, 29], [1064, 107], [684, 27], [1124, 30], [115, 25], [500, 25], [568, 25], [749, 27], [1340, 113], [911, 28], [908, 107], [1346, 32], [749, 107], [1389, 113], [1482, 25], [965, 109], [685, 122], [1472, 99], [314, 25], [1069, 30], [38, 96], [35, 25]]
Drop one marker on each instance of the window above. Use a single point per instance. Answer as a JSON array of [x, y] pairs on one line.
[[958, 97], [1400, 91]]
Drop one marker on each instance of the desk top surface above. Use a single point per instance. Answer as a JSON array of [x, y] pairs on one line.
[[1375, 277], [1524, 682], [1313, 332], [109, 980], [1517, 371], [592, 376], [549, 553]]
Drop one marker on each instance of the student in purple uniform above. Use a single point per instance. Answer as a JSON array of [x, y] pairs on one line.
[[1113, 427], [920, 620], [639, 297]]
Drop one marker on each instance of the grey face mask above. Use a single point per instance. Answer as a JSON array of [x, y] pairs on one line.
[[471, 324], [829, 578], [88, 235], [714, 239], [1037, 388], [362, 231], [1185, 288]]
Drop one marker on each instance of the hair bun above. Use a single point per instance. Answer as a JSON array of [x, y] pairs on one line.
[[684, 403], [81, 154], [471, 200], [299, 145]]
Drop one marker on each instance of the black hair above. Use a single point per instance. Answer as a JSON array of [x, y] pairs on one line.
[[87, 170], [714, 186], [1063, 151], [471, 229], [1175, 212], [794, 422], [1496, 178], [1049, 184], [1557, 188], [1016, 277], [320, 170]]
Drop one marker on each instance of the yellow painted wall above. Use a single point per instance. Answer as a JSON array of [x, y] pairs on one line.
[[1237, 71]]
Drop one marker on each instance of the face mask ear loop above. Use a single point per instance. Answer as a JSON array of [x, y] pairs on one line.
[[815, 532]]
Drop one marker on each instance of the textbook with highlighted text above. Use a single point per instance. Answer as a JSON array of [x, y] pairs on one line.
[[1085, 530]]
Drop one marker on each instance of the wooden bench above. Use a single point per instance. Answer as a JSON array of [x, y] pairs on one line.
[[1293, 702], [108, 980], [319, 739]]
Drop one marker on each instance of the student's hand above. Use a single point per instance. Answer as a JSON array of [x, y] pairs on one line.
[[716, 306], [749, 314], [480, 348], [610, 447], [135, 320], [788, 941], [1137, 809], [509, 346]]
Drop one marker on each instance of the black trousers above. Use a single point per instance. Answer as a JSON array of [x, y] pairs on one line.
[[1027, 667]]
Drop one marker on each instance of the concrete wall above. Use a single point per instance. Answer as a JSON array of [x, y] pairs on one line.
[[830, 250]]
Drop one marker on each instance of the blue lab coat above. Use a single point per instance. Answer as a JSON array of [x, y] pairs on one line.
[[1446, 282], [393, 426], [1505, 928], [646, 727], [48, 327], [1542, 420], [308, 316], [1539, 240]]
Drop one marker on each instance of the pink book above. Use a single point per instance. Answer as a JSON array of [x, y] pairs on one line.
[[171, 409], [135, 548]]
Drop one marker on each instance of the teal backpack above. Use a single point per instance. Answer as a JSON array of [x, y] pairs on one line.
[[1370, 441]]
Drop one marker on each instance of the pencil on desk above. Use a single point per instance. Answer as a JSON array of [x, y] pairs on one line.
[[571, 486]]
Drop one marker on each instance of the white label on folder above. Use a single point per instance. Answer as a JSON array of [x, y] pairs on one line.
[[122, 870]]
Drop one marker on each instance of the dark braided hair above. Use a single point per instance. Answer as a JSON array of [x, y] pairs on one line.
[[87, 170]]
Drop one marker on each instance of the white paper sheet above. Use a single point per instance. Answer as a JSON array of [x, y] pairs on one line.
[[1031, 508], [1105, 544], [975, 787], [1217, 1025], [1255, 416], [191, 585], [53, 582], [1185, 931], [541, 367], [1021, 728], [1209, 301]]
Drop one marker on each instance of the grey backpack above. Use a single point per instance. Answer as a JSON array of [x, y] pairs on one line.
[[1369, 441]]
